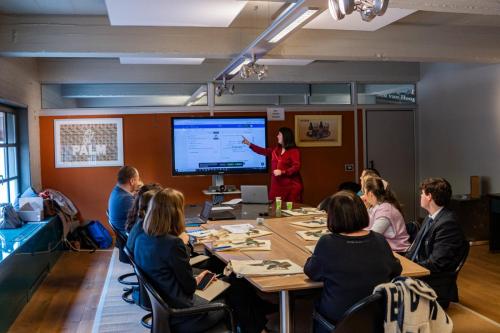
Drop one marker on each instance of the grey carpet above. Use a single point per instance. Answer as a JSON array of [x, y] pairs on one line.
[[113, 314]]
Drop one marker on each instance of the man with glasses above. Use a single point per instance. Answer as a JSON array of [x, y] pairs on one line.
[[440, 244]]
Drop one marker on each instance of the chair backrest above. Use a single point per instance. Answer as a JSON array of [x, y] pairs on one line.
[[366, 316], [143, 301], [463, 259], [160, 309], [412, 228]]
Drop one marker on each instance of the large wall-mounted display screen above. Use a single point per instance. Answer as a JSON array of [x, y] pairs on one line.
[[213, 145]]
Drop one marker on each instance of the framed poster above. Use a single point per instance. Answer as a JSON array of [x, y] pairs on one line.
[[89, 142], [318, 130]]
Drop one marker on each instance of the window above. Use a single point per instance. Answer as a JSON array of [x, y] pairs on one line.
[[9, 148]]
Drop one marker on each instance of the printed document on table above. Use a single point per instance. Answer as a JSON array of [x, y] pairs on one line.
[[238, 228]]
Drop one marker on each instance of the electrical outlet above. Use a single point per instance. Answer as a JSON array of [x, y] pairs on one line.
[[349, 167]]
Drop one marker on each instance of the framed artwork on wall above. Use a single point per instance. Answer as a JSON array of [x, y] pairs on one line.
[[318, 130], [88, 143]]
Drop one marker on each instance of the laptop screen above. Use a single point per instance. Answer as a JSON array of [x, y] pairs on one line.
[[205, 211]]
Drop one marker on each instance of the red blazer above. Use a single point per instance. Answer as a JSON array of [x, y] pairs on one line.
[[289, 185]]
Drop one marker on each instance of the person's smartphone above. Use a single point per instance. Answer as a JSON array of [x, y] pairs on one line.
[[205, 281]]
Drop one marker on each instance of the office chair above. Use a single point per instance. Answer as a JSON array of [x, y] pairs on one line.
[[162, 311], [120, 244], [143, 300], [412, 228], [366, 316]]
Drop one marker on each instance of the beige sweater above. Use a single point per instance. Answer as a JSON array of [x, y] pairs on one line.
[[412, 307]]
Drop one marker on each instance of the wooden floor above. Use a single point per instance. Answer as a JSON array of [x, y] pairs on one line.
[[67, 300], [479, 282]]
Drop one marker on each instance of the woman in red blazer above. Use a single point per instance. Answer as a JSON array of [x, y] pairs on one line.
[[286, 181]]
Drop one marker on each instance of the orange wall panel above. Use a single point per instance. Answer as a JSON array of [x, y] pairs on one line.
[[147, 146]]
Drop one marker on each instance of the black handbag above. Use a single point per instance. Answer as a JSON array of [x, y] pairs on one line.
[[9, 219]]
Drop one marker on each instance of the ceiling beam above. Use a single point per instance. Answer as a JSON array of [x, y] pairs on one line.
[[30, 36], [484, 7]]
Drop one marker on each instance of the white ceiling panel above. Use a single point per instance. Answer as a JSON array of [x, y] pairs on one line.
[[184, 13], [354, 21], [161, 61], [284, 62]]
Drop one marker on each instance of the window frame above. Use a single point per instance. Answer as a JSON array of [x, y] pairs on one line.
[[3, 179]]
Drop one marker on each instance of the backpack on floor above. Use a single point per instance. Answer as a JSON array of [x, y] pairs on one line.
[[99, 234]]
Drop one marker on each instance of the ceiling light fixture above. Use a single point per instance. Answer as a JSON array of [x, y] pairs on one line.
[[197, 95], [251, 69], [302, 16], [290, 20], [368, 9]]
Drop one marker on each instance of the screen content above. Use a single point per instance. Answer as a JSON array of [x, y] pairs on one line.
[[214, 145]]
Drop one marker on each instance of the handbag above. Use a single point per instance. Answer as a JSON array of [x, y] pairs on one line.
[[9, 219]]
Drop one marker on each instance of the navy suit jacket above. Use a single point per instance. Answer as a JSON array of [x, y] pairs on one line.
[[441, 251]]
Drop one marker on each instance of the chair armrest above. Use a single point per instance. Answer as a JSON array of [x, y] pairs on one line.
[[203, 309], [200, 309], [323, 321]]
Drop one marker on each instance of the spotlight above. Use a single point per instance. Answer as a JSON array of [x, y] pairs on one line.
[[368, 9]]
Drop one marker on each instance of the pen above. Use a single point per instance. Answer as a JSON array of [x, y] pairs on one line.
[[221, 248]]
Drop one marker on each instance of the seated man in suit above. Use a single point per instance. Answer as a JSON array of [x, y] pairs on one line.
[[122, 196], [440, 244]]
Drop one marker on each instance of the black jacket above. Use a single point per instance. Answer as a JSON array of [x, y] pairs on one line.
[[350, 267], [165, 260], [443, 247]]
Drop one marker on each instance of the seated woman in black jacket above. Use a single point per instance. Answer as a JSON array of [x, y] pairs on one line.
[[164, 258], [350, 261]]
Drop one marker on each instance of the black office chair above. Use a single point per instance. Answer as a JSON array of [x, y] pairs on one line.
[[412, 228], [162, 311], [143, 300], [120, 244], [366, 316]]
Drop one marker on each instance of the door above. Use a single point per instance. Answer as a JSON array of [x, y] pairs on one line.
[[390, 147]]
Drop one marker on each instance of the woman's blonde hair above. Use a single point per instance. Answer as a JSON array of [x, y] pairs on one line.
[[165, 214]]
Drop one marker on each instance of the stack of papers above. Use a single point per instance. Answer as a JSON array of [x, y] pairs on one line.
[[303, 212], [264, 267], [248, 244], [312, 235], [316, 223]]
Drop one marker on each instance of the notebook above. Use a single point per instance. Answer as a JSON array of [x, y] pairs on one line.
[[256, 194]]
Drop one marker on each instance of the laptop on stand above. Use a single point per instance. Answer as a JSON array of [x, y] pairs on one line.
[[254, 194]]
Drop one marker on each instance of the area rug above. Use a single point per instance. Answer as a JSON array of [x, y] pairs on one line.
[[113, 314]]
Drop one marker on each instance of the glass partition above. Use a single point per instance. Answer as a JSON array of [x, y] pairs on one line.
[[106, 95]]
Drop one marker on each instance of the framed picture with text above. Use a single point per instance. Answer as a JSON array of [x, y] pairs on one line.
[[318, 130], [89, 142]]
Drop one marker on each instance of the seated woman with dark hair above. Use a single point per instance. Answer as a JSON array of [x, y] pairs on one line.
[[138, 210], [386, 216], [350, 261], [142, 201]]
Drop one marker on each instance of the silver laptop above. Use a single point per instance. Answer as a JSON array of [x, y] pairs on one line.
[[256, 194]]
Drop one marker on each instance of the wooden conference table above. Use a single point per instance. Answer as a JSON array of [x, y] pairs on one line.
[[286, 244]]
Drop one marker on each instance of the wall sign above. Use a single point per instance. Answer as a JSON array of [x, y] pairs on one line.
[[88, 142], [275, 114]]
